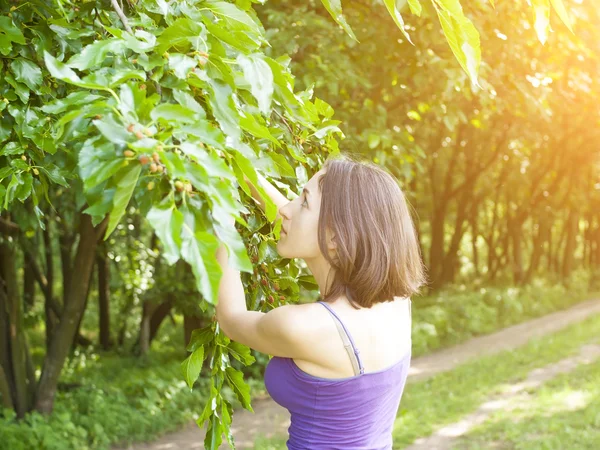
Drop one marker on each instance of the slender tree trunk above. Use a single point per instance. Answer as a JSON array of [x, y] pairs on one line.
[[5, 390], [79, 339], [28, 286], [73, 309], [103, 297], [14, 340], [516, 233], [539, 242], [570, 245], [160, 314], [51, 317], [474, 236], [65, 241], [436, 251], [148, 309]]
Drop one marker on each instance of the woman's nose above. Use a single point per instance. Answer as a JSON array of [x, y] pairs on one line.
[[284, 212]]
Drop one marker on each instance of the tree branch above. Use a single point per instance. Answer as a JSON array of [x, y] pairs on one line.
[[122, 16], [8, 227]]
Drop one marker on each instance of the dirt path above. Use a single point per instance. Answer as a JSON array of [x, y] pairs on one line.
[[444, 438], [270, 419]]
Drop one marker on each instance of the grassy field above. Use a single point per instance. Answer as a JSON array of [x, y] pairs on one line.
[[447, 397], [563, 413]]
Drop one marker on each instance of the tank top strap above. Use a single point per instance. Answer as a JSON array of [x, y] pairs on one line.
[[349, 345]]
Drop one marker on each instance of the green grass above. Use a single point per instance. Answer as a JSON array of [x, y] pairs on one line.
[[447, 397], [562, 413]]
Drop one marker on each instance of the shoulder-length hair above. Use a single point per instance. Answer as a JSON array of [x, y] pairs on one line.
[[378, 255]]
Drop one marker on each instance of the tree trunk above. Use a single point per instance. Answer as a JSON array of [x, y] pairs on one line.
[[65, 241], [28, 286], [539, 243], [516, 233], [571, 243], [79, 339], [13, 339], [474, 236], [5, 390], [436, 251], [162, 312], [52, 318], [148, 309], [73, 309], [103, 298]]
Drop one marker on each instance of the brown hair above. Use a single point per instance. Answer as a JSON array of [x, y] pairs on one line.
[[378, 254]]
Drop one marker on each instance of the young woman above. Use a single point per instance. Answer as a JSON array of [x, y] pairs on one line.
[[340, 364]]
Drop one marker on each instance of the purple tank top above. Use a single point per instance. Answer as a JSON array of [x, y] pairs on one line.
[[353, 413]]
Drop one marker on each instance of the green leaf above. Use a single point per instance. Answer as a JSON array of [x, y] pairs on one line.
[[249, 123], [223, 108], [235, 378], [5, 172], [114, 131], [24, 189], [171, 112], [238, 255], [188, 101], [73, 99], [55, 175], [15, 181], [247, 169], [206, 132], [241, 353], [200, 337], [258, 73], [234, 17], [323, 108], [192, 366], [281, 164], [60, 70], [416, 8], [373, 140], [12, 148], [9, 33], [199, 249], [181, 32], [181, 64], [167, 223], [461, 35], [559, 7], [391, 7], [125, 182], [27, 72], [334, 7], [93, 55]]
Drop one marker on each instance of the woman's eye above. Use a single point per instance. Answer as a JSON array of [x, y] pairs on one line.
[[304, 203]]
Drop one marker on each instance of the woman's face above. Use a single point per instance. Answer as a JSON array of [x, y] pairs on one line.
[[300, 222]]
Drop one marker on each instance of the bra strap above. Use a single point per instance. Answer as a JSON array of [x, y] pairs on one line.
[[351, 349]]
